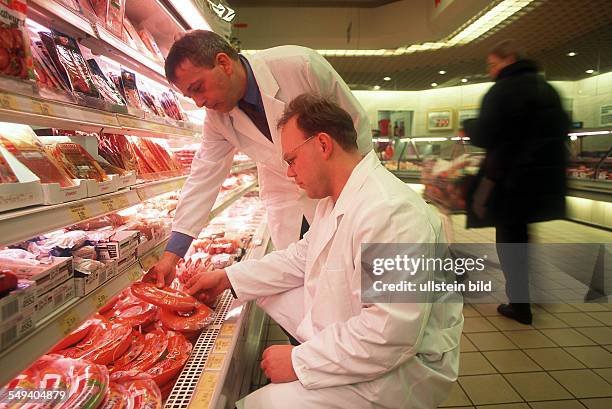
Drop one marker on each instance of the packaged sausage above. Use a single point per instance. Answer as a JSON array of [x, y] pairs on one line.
[[105, 86], [130, 89], [151, 44], [6, 173], [70, 57], [117, 150], [15, 55], [114, 16], [77, 162]]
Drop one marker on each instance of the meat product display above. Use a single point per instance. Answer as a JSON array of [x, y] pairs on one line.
[[77, 162], [141, 390], [151, 44], [105, 86], [117, 150], [131, 37], [15, 56], [130, 89], [6, 173], [174, 359], [53, 74], [132, 312], [155, 344], [187, 322], [115, 398], [171, 106], [137, 344], [22, 143], [167, 298], [114, 16], [70, 57]]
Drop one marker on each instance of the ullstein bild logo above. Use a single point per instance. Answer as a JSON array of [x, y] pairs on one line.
[[224, 12]]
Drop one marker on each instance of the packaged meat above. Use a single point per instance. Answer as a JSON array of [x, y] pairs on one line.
[[15, 55], [71, 4], [105, 86], [22, 143], [196, 320], [78, 334], [6, 173], [130, 89], [155, 344], [115, 398], [42, 55], [100, 8], [151, 44], [174, 359], [164, 297], [137, 344], [110, 344], [117, 150], [130, 35], [132, 312], [77, 162], [114, 16], [142, 392], [70, 57]]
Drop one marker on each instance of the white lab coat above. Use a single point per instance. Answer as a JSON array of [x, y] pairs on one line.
[[282, 73], [355, 355]]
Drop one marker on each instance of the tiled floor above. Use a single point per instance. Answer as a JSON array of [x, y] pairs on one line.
[[562, 361]]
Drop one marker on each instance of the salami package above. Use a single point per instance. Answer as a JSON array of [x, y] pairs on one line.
[[22, 143], [150, 43], [114, 16], [49, 63], [6, 173], [105, 86], [70, 57], [116, 149], [77, 162], [15, 56], [130, 35], [130, 89]]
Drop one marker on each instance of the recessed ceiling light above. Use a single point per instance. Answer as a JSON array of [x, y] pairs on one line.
[[464, 80], [434, 84], [376, 87], [573, 138], [441, 72], [571, 54], [387, 78], [590, 71]]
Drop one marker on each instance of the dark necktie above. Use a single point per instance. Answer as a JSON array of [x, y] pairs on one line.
[[258, 118]]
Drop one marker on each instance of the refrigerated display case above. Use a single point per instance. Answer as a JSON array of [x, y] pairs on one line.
[[590, 166]]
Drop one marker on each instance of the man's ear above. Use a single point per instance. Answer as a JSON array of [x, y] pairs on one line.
[[225, 62], [326, 144]]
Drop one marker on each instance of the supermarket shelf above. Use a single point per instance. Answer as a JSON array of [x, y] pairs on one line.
[[230, 199], [63, 321], [203, 379], [600, 190], [143, 127], [62, 17], [243, 166], [156, 188]]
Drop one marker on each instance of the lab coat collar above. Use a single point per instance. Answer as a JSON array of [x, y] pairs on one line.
[[354, 183]]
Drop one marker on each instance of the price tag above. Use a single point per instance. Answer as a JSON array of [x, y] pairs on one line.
[[42, 108], [79, 212], [215, 361], [227, 330], [121, 202], [222, 344], [204, 390], [68, 322], [108, 204], [108, 119], [134, 273], [128, 122], [99, 300], [8, 101]]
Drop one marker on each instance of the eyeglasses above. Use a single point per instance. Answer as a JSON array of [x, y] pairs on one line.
[[291, 161]]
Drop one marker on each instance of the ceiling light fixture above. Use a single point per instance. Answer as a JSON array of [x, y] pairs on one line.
[[589, 71], [474, 30], [571, 54], [573, 138], [464, 80], [387, 78], [441, 72], [434, 84]]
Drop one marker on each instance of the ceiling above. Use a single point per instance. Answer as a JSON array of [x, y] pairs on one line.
[[546, 30]]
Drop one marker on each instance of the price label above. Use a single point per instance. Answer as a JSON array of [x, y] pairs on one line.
[[204, 390], [99, 300], [222, 345], [42, 108], [215, 361], [108, 204], [79, 212], [227, 330], [108, 119], [68, 322], [8, 101], [128, 122], [134, 273], [121, 202]]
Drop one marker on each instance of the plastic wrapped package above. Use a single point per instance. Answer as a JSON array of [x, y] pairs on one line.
[[166, 298], [15, 55], [141, 391], [22, 143], [130, 35], [151, 44], [190, 322], [117, 150], [130, 89], [77, 162], [114, 16], [75, 66], [106, 87], [173, 360], [6, 173], [66, 240]]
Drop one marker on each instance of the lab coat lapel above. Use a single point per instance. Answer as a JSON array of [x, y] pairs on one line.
[[325, 232]]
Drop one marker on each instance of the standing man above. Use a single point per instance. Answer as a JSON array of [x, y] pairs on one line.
[[402, 355], [244, 97], [523, 127]]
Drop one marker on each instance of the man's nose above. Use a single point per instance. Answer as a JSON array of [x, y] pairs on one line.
[[290, 172]]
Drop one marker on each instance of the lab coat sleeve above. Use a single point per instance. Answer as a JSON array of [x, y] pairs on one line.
[[382, 336], [324, 80], [210, 167], [275, 273]]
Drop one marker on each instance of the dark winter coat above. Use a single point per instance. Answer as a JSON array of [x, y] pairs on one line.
[[523, 127]]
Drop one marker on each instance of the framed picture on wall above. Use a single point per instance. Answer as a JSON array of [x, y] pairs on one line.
[[440, 120], [466, 113], [605, 115]]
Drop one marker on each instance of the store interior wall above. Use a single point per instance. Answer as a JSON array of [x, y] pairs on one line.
[[587, 96]]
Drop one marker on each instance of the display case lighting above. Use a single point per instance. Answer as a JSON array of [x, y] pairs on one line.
[[436, 139], [404, 139], [188, 11], [589, 133], [572, 54], [573, 138], [434, 84], [590, 71], [387, 78], [376, 87], [378, 139], [464, 80]]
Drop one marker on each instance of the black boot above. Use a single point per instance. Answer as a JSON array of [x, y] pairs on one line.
[[518, 312]]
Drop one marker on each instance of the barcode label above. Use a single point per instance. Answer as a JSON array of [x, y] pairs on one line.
[[10, 309], [9, 336]]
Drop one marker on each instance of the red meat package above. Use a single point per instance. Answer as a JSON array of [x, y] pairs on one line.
[[130, 89], [22, 143], [151, 44], [15, 56], [77, 162], [75, 66], [6, 173], [117, 150], [173, 360], [140, 390], [114, 16]]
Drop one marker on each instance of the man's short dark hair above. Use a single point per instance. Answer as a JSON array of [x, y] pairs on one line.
[[317, 114], [200, 47], [505, 49]]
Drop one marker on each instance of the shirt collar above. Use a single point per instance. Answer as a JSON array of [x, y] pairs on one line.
[[252, 95], [358, 176]]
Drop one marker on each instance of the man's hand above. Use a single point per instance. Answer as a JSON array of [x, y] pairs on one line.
[[482, 196], [207, 285], [277, 365], [162, 273]]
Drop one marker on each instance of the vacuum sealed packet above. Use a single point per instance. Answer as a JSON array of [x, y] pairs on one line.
[[105, 86], [69, 55], [130, 89], [15, 55], [77, 161]]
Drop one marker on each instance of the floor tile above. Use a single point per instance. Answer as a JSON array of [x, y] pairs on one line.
[[470, 311], [488, 389], [589, 307], [557, 404], [605, 373], [537, 386], [583, 383], [511, 361], [530, 339], [465, 345], [601, 335], [487, 309], [554, 308], [578, 319], [505, 406], [597, 403], [567, 337], [547, 320], [593, 356], [608, 347], [553, 359], [507, 324], [456, 397], [477, 324], [605, 317], [491, 341], [474, 363]]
